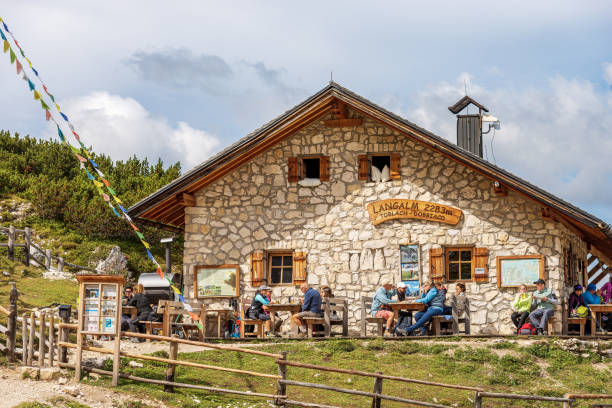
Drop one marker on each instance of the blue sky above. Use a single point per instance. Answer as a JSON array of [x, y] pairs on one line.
[[182, 81]]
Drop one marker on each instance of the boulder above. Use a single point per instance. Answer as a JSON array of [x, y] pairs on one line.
[[49, 373], [115, 262]]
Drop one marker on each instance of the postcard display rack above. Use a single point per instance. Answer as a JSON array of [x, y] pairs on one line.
[[99, 314]]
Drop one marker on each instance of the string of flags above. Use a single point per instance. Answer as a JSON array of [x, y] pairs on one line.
[[85, 158]]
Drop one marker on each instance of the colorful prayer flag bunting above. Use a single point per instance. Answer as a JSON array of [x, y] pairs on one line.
[[6, 46], [13, 56], [47, 114]]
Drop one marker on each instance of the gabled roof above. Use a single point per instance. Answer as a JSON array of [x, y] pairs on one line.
[[165, 207], [463, 102]]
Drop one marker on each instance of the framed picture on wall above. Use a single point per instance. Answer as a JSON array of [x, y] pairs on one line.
[[410, 262], [514, 271], [212, 281]]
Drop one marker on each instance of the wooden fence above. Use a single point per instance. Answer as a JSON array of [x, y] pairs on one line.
[[45, 342], [46, 254]]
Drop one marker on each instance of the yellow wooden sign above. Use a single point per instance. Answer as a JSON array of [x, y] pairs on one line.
[[385, 210]]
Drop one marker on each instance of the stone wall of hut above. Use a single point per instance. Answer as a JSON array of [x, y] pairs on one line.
[[256, 208]]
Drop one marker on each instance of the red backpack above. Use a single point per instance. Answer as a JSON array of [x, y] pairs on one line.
[[527, 329]]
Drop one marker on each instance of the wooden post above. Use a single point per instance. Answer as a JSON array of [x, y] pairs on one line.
[[47, 259], [41, 340], [377, 390], [24, 338], [79, 353], [477, 400], [11, 242], [117, 343], [63, 337], [12, 323], [363, 318], [172, 355], [60, 264], [51, 339], [31, 339], [345, 318], [281, 389], [567, 404], [28, 242]]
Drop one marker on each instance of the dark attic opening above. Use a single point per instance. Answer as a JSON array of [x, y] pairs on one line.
[[311, 168]]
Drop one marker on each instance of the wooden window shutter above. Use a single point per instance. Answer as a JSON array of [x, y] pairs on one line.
[[324, 168], [363, 167], [395, 167], [293, 170], [299, 268], [481, 261], [436, 262], [257, 268]]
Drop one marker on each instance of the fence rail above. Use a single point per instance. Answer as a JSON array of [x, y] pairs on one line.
[[29, 246]]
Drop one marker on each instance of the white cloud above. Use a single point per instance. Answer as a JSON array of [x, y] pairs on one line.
[[607, 67], [557, 136], [122, 127]]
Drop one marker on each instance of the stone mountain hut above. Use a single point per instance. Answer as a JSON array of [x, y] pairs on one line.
[[338, 191]]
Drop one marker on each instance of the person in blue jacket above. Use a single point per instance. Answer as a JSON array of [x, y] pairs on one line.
[[432, 298], [311, 307], [591, 295]]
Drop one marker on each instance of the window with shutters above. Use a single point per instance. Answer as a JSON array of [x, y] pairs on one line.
[[280, 268], [378, 167], [459, 264], [308, 168]]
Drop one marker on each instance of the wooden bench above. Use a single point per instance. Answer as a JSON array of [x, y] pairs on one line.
[[366, 304], [580, 321], [441, 326], [173, 313], [259, 324], [329, 305]]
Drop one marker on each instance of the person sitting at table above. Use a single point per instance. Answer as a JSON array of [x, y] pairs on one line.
[[311, 307], [326, 292], [574, 301], [125, 318], [461, 304], [433, 301], [259, 310], [521, 306], [145, 313], [404, 317], [380, 305], [591, 296], [606, 290], [545, 301]]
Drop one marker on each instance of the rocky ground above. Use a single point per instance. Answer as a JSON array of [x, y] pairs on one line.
[[57, 384]]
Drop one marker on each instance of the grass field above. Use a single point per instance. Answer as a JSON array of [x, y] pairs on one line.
[[541, 368]]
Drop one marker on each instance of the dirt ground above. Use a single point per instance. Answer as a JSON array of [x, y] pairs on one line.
[[16, 390]]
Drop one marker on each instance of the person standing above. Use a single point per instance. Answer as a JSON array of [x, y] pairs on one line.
[[522, 307], [545, 301], [380, 305], [311, 307], [460, 307], [433, 301]]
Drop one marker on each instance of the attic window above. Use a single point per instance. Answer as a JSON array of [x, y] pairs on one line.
[[381, 166], [371, 167], [311, 168], [308, 171]]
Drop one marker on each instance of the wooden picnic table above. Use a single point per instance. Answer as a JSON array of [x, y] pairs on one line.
[[131, 310], [292, 308], [596, 312], [406, 305]]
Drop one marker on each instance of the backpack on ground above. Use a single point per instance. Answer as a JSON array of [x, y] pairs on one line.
[[527, 329]]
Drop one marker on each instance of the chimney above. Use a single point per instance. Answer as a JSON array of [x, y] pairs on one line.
[[469, 127]]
